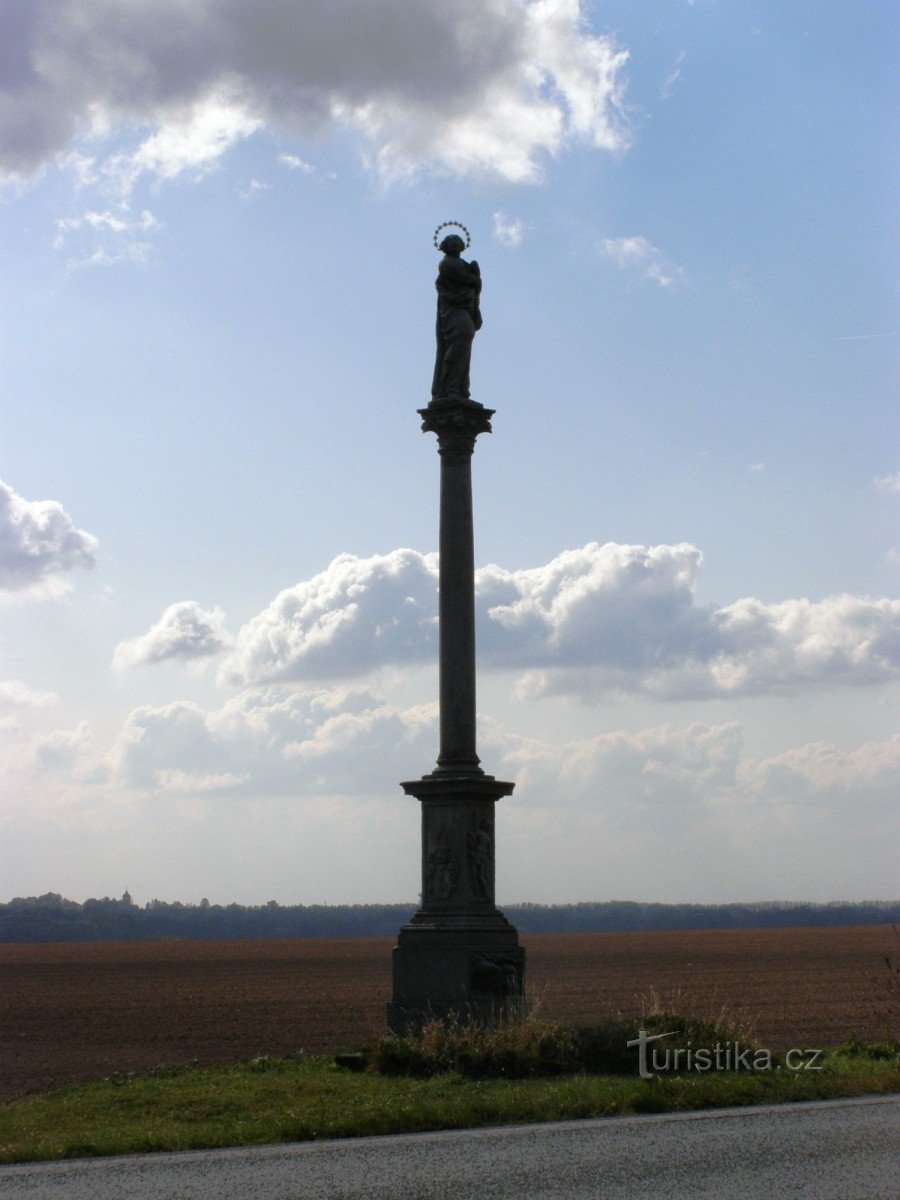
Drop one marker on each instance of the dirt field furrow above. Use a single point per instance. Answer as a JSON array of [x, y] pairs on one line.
[[76, 1011]]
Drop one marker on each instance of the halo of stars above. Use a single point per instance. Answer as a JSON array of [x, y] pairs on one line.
[[453, 225]]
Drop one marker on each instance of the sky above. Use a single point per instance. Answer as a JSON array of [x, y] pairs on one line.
[[218, 514]]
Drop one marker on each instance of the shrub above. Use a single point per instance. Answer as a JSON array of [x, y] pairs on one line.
[[854, 1047], [515, 1049], [524, 1047]]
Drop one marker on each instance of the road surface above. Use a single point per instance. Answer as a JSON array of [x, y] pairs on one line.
[[834, 1150]]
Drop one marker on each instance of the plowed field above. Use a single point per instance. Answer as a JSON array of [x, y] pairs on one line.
[[78, 1011]]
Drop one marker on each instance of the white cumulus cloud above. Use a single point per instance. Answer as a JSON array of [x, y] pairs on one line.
[[639, 255], [276, 741], [348, 740], [629, 608], [460, 86], [195, 138], [844, 638], [598, 622], [668, 766], [184, 632], [39, 544], [745, 648], [824, 772], [351, 618]]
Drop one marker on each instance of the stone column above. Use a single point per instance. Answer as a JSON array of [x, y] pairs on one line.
[[457, 425], [458, 956]]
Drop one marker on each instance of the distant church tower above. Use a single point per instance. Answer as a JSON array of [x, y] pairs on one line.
[[126, 899]]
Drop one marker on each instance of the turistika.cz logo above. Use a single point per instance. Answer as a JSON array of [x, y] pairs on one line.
[[723, 1056]]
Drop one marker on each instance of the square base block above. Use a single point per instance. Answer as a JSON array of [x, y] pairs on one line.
[[466, 974]]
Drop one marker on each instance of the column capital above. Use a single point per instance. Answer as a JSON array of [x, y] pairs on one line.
[[457, 423]]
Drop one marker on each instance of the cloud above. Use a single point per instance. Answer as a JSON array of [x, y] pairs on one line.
[[672, 78], [16, 699], [627, 607], [508, 232], [105, 238], [889, 484], [348, 620], [15, 695], [253, 188], [66, 751], [637, 254], [184, 632], [667, 766], [195, 137], [469, 87], [276, 741], [747, 648], [599, 622], [350, 741], [682, 811], [38, 544], [821, 771], [294, 163], [281, 771]]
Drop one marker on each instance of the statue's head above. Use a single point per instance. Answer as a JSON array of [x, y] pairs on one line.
[[452, 245]]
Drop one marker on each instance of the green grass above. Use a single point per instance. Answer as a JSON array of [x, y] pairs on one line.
[[277, 1100]]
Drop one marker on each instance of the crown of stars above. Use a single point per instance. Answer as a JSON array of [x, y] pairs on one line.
[[452, 225]]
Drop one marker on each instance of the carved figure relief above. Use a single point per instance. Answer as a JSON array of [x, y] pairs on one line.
[[441, 868], [480, 850], [497, 974]]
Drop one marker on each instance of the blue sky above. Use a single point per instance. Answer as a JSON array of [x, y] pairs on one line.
[[219, 517]]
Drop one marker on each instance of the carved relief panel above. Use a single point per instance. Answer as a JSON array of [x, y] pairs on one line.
[[480, 860], [442, 864]]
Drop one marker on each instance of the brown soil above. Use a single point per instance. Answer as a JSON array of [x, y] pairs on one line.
[[78, 1011]]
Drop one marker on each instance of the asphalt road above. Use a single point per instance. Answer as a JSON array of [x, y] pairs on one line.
[[835, 1150]]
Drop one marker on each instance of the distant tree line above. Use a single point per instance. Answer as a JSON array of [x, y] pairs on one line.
[[51, 918]]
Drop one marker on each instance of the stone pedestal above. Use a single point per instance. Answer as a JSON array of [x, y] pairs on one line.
[[458, 956]]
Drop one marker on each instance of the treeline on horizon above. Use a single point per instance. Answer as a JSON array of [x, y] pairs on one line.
[[51, 918]]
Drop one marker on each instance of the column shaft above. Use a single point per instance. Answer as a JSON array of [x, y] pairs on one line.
[[457, 608]]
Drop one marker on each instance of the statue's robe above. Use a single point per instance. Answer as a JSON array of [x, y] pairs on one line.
[[458, 317]]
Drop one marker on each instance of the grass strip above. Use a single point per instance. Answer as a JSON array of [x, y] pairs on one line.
[[300, 1099]]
